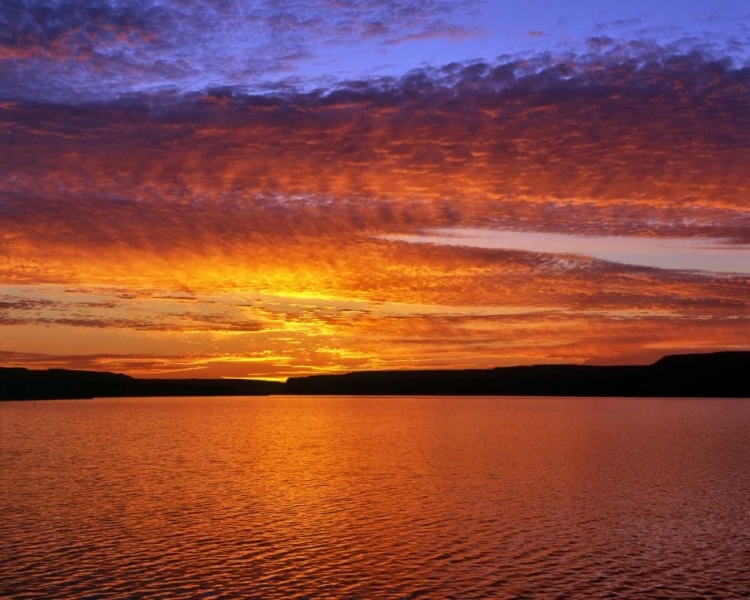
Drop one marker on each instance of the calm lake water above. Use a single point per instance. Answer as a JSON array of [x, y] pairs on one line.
[[300, 497]]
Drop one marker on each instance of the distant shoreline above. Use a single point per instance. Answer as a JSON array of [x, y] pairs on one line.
[[715, 375]]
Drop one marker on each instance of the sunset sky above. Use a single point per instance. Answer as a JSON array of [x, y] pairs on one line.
[[236, 188]]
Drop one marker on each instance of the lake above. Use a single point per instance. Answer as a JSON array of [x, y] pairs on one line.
[[355, 497]]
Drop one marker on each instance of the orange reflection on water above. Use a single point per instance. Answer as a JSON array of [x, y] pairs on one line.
[[374, 497]]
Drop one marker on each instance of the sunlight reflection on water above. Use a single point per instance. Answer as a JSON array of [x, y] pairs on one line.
[[290, 497]]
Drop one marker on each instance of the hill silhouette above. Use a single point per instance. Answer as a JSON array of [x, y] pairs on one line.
[[718, 375], [26, 384], [722, 374]]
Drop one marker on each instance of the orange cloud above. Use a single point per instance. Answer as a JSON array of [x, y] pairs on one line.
[[289, 196]]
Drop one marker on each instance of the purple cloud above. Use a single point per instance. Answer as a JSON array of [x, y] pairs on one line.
[[92, 49]]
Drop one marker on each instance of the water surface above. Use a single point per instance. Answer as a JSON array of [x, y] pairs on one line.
[[314, 497]]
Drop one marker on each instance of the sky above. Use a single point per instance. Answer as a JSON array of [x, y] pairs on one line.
[[264, 189]]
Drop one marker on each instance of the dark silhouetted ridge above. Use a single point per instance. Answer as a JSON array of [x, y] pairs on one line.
[[723, 374], [25, 384], [717, 375]]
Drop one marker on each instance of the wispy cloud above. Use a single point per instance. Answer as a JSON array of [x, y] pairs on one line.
[[683, 254]]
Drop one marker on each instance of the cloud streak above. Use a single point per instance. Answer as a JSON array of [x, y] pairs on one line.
[[663, 253]]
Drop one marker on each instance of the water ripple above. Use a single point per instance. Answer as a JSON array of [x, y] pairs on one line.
[[360, 498]]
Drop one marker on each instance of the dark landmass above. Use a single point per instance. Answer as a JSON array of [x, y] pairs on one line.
[[58, 384], [717, 375]]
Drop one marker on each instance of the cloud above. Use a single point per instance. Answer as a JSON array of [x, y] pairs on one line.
[[70, 27], [423, 342], [229, 194], [665, 253], [67, 49], [437, 30], [586, 145]]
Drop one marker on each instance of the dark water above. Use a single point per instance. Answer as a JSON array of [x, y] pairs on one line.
[[375, 498]]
